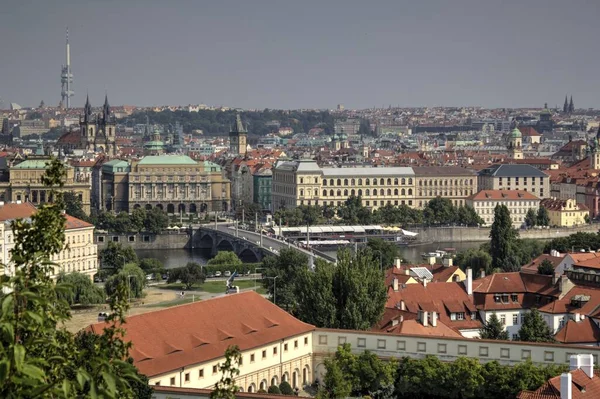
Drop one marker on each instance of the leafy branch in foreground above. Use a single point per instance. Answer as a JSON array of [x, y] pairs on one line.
[[38, 356], [225, 388]]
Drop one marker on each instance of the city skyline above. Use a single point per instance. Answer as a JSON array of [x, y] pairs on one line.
[[304, 55]]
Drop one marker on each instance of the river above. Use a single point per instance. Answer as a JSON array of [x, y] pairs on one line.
[[172, 258]]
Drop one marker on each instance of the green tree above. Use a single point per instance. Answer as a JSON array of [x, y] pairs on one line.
[[574, 242], [137, 219], [228, 258], [156, 221], [115, 256], [439, 211], [348, 295], [546, 267], [468, 216], [80, 290], [225, 388], [535, 329], [587, 219], [465, 378], [543, 218], [352, 212], [190, 275], [74, 206], [502, 241], [527, 249], [493, 329], [388, 251], [335, 384], [476, 259], [122, 223], [499, 381], [280, 274], [38, 356], [286, 388], [131, 276], [531, 218], [274, 389], [414, 377], [152, 266]]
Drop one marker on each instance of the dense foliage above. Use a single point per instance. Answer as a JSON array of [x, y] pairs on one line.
[[217, 122], [475, 258], [546, 268], [439, 211], [39, 358], [225, 388], [80, 289], [228, 258], [502, 241], [189, 275], [575, 242], [365, 375], [140, 220], [74, 206], [383, 251], [132, 277], [493, 329], [115, 256], [534, 328], [349, 295]]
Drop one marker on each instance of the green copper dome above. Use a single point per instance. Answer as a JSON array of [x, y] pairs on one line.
[[516, 133]]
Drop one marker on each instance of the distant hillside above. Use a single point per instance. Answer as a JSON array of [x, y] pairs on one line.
[[218, 122]]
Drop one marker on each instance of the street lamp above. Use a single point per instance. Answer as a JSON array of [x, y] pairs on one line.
[[255, 269], [274, 289]]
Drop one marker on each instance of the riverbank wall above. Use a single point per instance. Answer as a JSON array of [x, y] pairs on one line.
[[166, 240], [482, 234]]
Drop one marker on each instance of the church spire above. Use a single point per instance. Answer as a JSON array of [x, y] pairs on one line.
[[106, 107], [87, 109], [566, 106], [571, 106]]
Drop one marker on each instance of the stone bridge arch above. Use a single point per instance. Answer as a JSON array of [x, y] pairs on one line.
[[225, 245], [249, 255]]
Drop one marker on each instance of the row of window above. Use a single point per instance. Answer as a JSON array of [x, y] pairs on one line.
[[382, 182], [524, 180]]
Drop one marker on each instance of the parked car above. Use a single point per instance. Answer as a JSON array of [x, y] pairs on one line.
[[227, 273], [210, 275], [217, 274], [102, 316]]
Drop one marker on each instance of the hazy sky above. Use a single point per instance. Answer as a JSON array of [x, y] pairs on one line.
[[304, 53]]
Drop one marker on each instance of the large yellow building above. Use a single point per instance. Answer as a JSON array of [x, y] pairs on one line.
[[173, 183], [565, 213], [304, 182], [80, 253], [24, 183]]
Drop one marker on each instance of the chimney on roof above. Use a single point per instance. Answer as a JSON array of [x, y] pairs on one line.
[[407, 271], [447, 261], [402, 305], [395, 284], [394, 322], [469, 281], [482, 273], [397, 262], [434, 318], [424, 283], [566, 386], [564, 284], [585, 362]]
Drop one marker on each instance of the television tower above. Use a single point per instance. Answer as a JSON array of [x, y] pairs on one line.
[[66, 78]]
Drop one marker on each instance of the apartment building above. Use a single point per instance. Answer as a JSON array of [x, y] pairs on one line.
[[173, 183], [518, 203], [515, 177], [79, 255], [183, 346], [23, 182], [304, 182], [565, 213]]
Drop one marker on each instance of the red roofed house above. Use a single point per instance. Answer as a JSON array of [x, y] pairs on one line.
[[518, 203], [82, 255], [183, 346], [581, 382]]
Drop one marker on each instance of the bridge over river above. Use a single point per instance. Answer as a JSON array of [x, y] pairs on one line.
[[248, 245]]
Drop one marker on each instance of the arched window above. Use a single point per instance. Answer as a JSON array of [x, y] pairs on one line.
[[403, 181], [345, 182], [352, 182], [331, 193], [360, 182], [430, 183], [360, 192], [445, 182], [410, 180], [345, 193], [389, 182], [316, 179], [368, 192], [435, 183], [410, 191], [339, 182], [339, 193], [308, 192], [420, 193], [396, 181], [324, 193], [389, 192], [456, 182], [302, 193], [381, 182], [352, 192], [395, 191], [367, 182], [420, 182], [301, 180], [325, 182], [471, 181], [331, 182], [381, 192], [403, 192]]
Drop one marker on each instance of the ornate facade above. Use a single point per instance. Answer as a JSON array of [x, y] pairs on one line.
[[98, 132]]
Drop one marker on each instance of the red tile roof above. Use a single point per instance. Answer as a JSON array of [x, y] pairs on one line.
[[12, 211], [583, 332], [496, 195], [532, 267], [172, 338], [555, 204], [583, 387]]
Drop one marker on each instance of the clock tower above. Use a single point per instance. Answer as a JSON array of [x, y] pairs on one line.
[[238, 137]]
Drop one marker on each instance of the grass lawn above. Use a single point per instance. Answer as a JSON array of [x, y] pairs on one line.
[[168, 304]]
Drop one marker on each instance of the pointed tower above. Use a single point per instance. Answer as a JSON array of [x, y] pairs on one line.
[[109, 127], [566, 105], [238, 137], [514, 144], [87, 127], [595, 154], [571, 105]]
